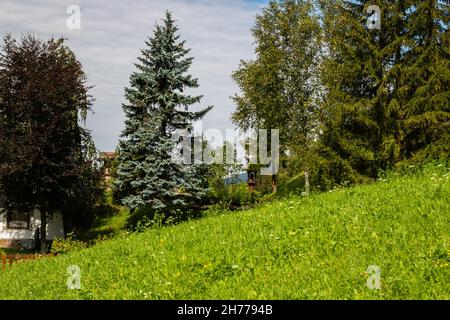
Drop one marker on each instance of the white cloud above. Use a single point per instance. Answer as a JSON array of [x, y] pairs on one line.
[[113, 32]]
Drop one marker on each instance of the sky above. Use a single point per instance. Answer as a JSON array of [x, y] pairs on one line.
[[112, 33]]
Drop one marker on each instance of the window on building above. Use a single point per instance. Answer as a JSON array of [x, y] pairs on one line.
[[18, 219]]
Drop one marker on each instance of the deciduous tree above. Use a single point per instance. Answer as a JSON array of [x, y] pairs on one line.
[[46, 155]]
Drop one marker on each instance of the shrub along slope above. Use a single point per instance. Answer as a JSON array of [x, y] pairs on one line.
[[317, 247]]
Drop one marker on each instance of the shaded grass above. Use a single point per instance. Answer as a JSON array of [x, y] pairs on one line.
[[8, 251], [111, 220], [316, 247], [295, 185]]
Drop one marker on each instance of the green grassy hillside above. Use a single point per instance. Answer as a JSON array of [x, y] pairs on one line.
[[317, 247]]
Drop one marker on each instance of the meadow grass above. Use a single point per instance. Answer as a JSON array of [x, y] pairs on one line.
[[8, 251], [316, 247], [110, 225]]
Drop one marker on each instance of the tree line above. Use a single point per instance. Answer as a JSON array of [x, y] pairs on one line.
[[348, 99]]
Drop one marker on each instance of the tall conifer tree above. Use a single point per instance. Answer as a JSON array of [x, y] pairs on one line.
[[148, 175], [387, 89], [353, 72], [424, 83]]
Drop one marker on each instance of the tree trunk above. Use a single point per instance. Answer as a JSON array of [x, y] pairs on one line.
[[68, 224], [274, 183], [37, 239], [43, 228], [307, 183]]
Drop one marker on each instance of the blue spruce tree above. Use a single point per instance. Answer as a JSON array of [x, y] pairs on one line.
[[148, 175]]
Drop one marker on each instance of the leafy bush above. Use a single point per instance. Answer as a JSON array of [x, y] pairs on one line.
[[240, 195], [148, 218], [70, 243], [145, 223], [234, 196]]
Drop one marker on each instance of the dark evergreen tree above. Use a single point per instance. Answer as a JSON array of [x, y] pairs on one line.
[[354, 121], [424, 83], [148, 174], [387, 89]]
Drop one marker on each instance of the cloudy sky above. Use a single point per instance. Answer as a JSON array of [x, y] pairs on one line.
[[113, 32]]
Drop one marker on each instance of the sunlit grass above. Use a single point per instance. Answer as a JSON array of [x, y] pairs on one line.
[[316, 247]]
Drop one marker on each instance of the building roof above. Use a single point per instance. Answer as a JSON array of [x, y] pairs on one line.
[[108, 154]]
